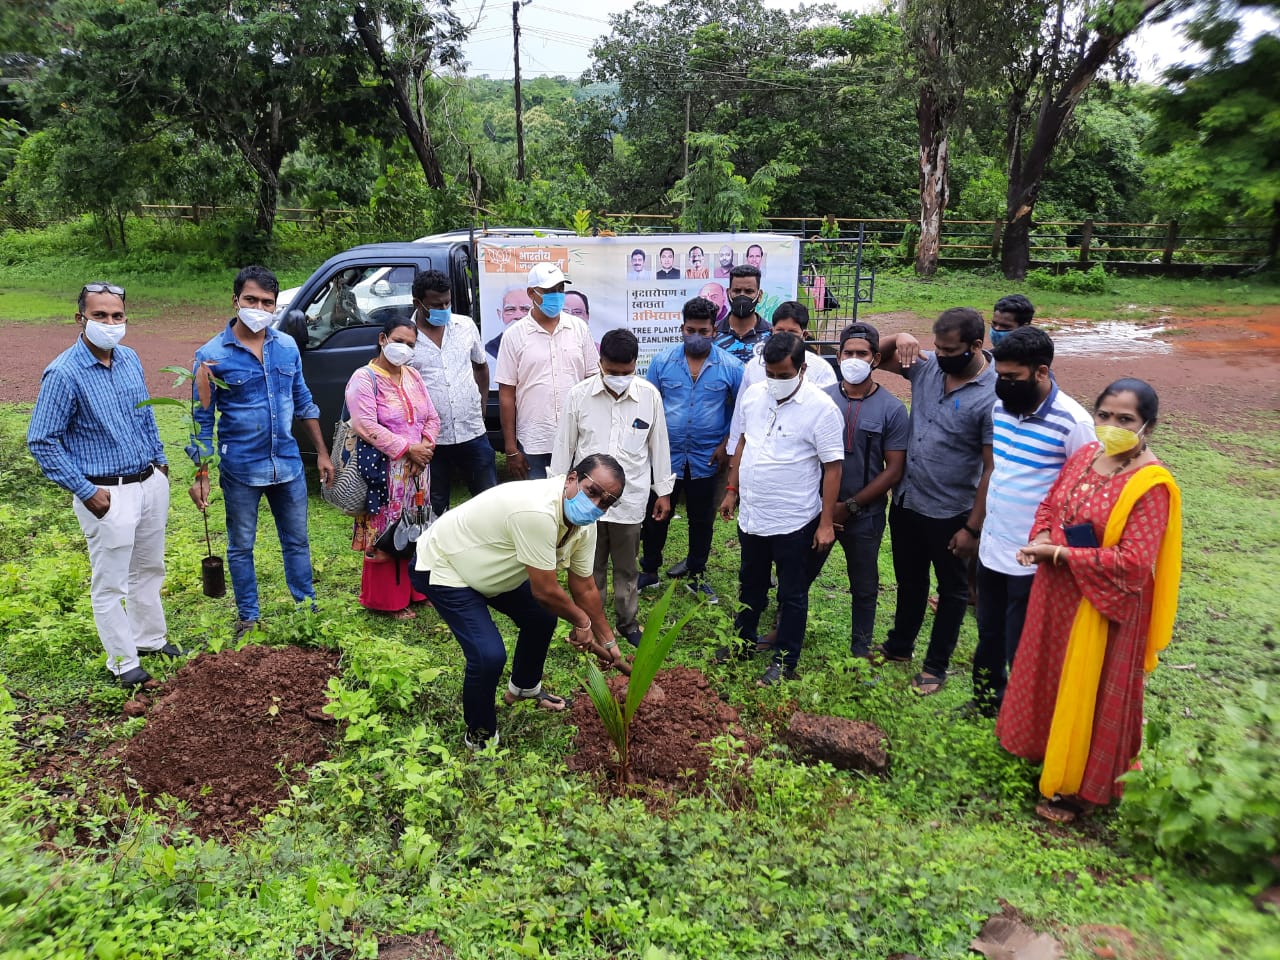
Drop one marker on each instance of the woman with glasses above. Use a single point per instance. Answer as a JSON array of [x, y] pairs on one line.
[[392, 413], [1107, 546]]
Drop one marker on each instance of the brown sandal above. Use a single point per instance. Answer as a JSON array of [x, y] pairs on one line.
[[927, 684], [404, 614], [1063, 810]]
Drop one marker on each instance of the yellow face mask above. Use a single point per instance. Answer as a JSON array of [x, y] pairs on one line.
[[1118, 440]]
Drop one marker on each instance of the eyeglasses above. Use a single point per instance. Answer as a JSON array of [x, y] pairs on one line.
[[110, 288], [603, 500]]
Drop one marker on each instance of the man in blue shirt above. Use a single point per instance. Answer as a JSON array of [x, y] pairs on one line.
[[699, 385], [89, 435], [250, 376]]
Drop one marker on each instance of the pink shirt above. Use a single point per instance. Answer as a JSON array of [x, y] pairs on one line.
[[391, 417], [544, 367]]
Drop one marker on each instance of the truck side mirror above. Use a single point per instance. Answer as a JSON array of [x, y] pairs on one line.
[[381, 289], [295, 325]]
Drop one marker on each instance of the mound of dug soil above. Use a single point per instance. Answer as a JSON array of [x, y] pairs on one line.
[[223, 728], [669, 735]]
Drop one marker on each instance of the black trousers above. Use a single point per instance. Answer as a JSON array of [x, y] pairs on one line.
[[918, 543], [699, 495], [1002, 610]]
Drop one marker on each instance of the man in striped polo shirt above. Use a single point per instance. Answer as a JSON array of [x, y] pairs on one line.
[[1036, 427]]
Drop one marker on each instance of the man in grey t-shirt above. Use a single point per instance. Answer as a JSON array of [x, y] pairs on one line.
[[937, 514], [875, 451]]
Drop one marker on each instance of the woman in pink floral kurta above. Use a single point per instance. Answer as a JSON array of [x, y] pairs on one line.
[[391, 411]]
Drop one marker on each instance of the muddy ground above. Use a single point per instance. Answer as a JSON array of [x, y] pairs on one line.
[[1212, 366]]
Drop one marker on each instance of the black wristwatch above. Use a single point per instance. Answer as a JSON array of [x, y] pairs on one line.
[[853, 506]]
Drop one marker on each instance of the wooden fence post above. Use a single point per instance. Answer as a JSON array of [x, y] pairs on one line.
[[997, 232], [1170, 241], [1086, 237]]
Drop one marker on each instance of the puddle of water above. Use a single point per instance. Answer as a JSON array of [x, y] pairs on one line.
[[1109, 338]]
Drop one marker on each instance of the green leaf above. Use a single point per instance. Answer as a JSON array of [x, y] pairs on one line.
[[607, 707], [162, 402], [654, 647]]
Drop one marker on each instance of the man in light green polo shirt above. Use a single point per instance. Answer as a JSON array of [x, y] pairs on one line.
[[504, 549]]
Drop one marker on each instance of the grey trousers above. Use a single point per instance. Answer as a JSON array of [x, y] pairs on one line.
[[619, 543]]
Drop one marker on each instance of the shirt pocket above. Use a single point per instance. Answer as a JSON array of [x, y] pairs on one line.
[[245, 384], [283, 374]]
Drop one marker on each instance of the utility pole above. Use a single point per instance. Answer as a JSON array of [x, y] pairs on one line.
[[684, 204], [515, 38]]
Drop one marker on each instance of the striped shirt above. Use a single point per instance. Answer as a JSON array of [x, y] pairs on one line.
[[1029, 453], [87, 422]]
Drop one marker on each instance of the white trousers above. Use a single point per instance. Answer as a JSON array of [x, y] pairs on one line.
[[126, 555]]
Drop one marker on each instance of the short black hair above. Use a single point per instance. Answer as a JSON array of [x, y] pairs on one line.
[[966, 321], [744, 270], [593, 460], [792, 310], [861, 331], [259, 275], [1148, 402], [779, 346], [666, 250], [431, 281], [619, 346], [1018, 305], [700, 308], [698, 248], [639, 251], [586, 304], [1026, 346], [756, 246], [84, 292]]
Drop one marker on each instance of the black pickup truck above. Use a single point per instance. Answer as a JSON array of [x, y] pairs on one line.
[[336, 316]]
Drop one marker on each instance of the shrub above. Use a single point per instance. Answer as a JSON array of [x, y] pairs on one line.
[[1210, 795], [1093, 280]]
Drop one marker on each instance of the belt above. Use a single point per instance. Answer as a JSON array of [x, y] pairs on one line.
[[138, 477]]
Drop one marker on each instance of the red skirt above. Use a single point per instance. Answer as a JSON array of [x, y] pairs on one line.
[[384, 585]]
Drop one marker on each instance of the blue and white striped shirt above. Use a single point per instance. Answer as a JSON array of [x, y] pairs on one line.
[[87, 421], [1029, 453]]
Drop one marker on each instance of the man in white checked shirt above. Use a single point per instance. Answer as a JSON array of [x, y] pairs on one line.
[[616, 411]]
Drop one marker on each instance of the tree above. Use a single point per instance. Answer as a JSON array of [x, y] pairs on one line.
[[1077, 38], [1216, 139], [406, 41], [715, 197], [951, 45]]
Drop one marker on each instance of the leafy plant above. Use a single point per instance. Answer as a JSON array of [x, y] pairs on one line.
[[1093, 280], [655, 644]]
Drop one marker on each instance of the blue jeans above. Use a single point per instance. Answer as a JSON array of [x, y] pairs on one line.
[[471, 460], [466, 612], [539, 463], [798, 563], [288, 504], [860, 539]]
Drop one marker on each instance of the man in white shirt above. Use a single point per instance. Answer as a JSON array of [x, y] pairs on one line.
[[452, 363], [785, 476], [617, 412], [541, 357], [791, 316]]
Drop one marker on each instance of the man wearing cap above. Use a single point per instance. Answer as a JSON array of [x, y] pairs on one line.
[[89, 435], [542, 356]]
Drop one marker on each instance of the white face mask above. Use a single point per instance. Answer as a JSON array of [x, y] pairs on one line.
[[855, 369], [397, 354], [618, 384], [104, 336], [255, 320], [782, 389]]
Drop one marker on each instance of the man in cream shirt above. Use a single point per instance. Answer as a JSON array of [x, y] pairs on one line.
[[616, 411], [786, 476], [504, 549]]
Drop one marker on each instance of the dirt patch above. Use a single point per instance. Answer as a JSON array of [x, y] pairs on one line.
[[423, 946], [845, 744], [669, 735], [225, 726]]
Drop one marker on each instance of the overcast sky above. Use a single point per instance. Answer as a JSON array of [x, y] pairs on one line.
[[556, 38]]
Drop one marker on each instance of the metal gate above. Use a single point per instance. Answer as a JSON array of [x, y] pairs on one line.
[[834, 282]]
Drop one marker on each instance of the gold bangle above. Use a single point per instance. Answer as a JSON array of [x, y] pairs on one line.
[[1057, 552]]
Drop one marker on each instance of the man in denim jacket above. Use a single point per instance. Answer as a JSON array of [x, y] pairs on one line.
[[251, 377]]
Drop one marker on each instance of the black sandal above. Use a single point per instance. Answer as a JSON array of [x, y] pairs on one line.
[[543, 700]]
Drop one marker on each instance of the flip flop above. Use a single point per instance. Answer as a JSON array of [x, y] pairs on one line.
[[927, 684], [1063, 810], [543, 700]]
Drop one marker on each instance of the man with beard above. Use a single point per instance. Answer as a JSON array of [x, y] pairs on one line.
[[743, 329], [1036, 428]]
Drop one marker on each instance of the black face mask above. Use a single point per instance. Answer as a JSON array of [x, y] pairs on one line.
[[742, 306], [956, 364], [1019, 397]]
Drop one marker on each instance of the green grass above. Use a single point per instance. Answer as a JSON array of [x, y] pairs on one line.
[[512, 855]]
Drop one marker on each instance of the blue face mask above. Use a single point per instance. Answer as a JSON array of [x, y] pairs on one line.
[[439, 318], [998, 335], [552, 304], [581, 511]]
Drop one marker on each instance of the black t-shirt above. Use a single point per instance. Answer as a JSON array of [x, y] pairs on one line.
[[872, 425]]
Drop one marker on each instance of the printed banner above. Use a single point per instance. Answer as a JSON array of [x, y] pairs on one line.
[[636, 282]]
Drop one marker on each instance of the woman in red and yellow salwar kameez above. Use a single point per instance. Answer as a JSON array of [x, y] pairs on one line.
[[1098, 615]]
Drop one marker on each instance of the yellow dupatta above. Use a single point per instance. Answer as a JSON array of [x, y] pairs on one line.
[[1071, 731]]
